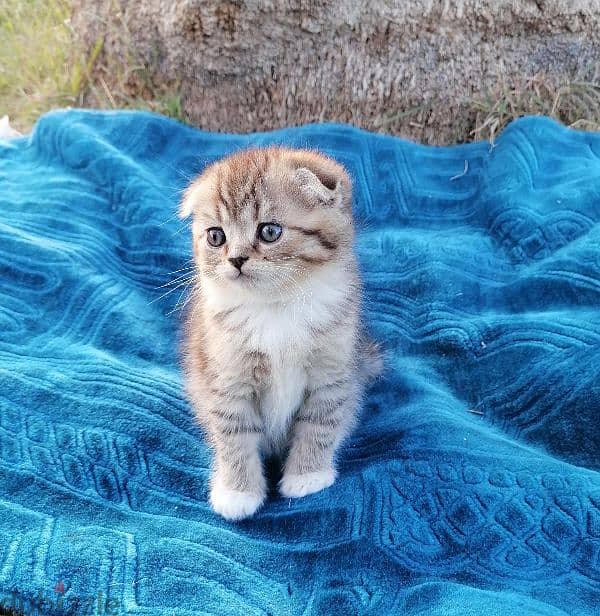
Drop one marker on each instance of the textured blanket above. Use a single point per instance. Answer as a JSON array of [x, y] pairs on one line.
[[471, 485]]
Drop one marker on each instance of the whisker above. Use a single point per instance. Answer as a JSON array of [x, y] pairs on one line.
[[185, 303], [191, 261], [162, 224], [284, 276], [169, 291], [185, 227], [193, 293], [187, 274]]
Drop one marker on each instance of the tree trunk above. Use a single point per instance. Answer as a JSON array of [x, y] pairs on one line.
[[409, 67]]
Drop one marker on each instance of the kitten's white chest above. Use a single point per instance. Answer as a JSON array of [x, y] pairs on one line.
[[283, 332], [280, 400], [284, 338]]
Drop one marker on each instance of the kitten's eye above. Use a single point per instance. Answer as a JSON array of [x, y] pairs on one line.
[[215, 236], [269, 232]]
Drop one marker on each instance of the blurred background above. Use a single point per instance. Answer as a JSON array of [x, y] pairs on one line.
[[436, 71]]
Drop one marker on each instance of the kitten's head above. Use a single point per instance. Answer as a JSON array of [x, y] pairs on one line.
[[265, 219]]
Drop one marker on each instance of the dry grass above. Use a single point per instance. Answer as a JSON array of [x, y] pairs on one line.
[[575, 103]]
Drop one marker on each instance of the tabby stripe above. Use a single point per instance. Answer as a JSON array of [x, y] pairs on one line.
[[329, 386], [231, 430], [311, 260], [221, 195], [328, 405], [221, 316], [325, 443], [328, 244], [256, 204], [322, 423], [249, 192], [328, 418], [225, 416], [234, 428], [229, 397]]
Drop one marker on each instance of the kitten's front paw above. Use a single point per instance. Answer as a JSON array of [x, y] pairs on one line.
[[295, 486], [232, 504]]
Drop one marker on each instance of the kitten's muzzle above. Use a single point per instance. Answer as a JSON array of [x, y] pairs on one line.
[[237, 262]]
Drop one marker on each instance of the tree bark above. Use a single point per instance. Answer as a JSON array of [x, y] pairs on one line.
[[409, 67]]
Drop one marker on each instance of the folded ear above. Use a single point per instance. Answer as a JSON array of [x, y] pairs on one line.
[[196, 192], [322, 179]]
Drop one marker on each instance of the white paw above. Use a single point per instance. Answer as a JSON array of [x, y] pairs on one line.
[[233, 504], [294, 486]]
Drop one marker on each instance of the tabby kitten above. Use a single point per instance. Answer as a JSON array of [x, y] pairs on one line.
[[274, 358]]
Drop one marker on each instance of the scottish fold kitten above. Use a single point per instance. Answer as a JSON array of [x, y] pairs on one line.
[[274, 357]]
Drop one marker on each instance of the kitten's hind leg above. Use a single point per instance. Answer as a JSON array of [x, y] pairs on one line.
[[324, 419]]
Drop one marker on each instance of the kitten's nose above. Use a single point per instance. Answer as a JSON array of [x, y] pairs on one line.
[[238, 262]]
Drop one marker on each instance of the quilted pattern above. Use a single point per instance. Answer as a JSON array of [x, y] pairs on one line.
[[471, 485]]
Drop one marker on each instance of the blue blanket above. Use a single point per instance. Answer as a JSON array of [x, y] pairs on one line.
[[471, 485]]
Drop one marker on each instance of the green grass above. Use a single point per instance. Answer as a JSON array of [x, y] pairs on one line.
[[42, 67], [38, 67]]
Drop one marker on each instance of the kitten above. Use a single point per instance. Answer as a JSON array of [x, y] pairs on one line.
[[274, 358]]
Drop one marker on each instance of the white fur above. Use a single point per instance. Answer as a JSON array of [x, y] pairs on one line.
[[309, 302], [295, 486], [280, 328], [232, 504], [282, 399]]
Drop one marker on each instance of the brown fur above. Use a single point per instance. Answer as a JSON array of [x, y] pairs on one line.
[[274, 356]]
